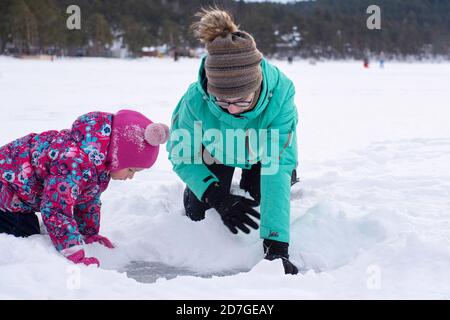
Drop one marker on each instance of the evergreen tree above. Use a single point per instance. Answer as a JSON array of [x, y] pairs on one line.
[[99, 34], [22, 26], [3, 25], [51, 23], [135, 34]]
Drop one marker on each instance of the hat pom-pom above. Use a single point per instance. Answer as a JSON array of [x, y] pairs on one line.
[[213, 23], [156, 134]]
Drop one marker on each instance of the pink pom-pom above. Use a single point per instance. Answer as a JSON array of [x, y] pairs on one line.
[[156, 134]]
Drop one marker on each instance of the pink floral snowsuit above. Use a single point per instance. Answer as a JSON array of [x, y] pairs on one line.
[[60, 174]]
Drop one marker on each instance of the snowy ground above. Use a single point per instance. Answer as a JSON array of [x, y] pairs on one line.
[[370, 219]]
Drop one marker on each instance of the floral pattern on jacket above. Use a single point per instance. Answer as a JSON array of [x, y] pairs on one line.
[[60, 174]]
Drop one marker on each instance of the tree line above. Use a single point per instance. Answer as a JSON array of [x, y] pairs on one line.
[[321, 28]]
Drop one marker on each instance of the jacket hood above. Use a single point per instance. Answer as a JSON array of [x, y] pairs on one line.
[[92, 133]]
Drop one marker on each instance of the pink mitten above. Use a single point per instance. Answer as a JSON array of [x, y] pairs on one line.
[[79, 257], [100, 239]]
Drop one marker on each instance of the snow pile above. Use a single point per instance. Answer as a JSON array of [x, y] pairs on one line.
[[370, 218]]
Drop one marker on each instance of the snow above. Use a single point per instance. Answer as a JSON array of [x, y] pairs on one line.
[[370, 218]]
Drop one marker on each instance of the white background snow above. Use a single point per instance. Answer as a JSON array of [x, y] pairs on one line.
[[370, 218]]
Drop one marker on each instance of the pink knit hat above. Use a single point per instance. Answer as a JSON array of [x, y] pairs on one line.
[[135, 141]]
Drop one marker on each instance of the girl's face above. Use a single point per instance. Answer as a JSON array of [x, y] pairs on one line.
[[125, 174]]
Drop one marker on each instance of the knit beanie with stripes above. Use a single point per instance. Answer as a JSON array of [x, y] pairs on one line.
[[233, 64]]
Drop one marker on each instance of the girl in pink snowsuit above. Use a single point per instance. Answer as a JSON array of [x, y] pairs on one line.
[[63, 174]]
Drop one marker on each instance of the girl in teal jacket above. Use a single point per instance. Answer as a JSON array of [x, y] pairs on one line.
[[239, 114]]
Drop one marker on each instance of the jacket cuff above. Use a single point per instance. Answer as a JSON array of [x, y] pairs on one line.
[[270, 234], [200, 189]]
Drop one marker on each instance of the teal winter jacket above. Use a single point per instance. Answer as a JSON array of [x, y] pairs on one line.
[[266, 134]]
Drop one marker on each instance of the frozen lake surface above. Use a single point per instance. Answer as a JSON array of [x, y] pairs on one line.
[[370, 217], [149, 272]]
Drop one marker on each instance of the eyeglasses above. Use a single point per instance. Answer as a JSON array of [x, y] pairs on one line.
[[240, 103]]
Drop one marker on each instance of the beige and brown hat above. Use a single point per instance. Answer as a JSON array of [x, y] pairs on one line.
[[233, 64]]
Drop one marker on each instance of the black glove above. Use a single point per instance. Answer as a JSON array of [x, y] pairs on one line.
[[251, 181], [234, 210], [279, 250], [195, 209]]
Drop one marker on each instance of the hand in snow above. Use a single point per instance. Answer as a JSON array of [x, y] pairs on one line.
[[79, 257], [235, 211], [100, 239], [279, 250]]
